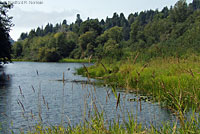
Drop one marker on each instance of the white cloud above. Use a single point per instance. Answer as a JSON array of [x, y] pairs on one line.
[[37, 18], [26, 20]]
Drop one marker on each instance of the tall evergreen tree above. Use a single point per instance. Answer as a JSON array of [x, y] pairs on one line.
[[23, 36], [196, 4], [180, 12], [5, 24], [78, 20]]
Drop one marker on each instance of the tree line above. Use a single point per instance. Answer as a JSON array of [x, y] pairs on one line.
[[172, 31]]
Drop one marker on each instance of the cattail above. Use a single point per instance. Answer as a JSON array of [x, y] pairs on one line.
[[63, 78], [43, 100], [104, 67], [21, 92], [140, 104], [144, 67], [118, 101], [19, 102], [32, 114], [33, 89], [191, 72], [47, 106], [37, 72], [136, 58]]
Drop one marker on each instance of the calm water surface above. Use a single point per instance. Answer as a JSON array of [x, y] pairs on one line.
[[32, 92]]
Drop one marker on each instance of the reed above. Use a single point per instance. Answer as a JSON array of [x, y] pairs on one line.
[[174, 84], [97, 124], [163, 79], [67, 60]]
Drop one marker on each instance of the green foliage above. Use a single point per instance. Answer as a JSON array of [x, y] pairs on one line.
[[51, 47], [98, 125], [195, 4], [87, 43], [48, 55], [109, 43], [152, 52], [165, 33], [17, 50], [76, 60], [115, 33], [180, 11], [5, 24], [163, 79], [90, 25]]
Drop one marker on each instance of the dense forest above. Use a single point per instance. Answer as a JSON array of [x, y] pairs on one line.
[[172, 31]]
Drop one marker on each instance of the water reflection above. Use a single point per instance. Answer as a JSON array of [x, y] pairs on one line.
[[5, 83]]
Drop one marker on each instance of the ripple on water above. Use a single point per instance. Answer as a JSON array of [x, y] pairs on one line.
[[58, 102]]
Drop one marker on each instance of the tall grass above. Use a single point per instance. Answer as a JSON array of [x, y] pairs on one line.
[[174, 83], [97, 125], [67, 60]]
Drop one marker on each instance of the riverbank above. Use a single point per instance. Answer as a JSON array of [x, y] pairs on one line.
[[92, 119], [98, 126], [21, 60], [67, 60], [172, 82], [64, 60]]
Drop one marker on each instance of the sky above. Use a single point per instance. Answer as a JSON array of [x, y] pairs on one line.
[[33, 13]]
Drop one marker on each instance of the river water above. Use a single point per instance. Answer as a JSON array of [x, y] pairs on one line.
[[32, 92]]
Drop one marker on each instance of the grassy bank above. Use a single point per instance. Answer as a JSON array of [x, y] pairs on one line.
[[77, 60], [64, 60], [173, 82], [21, 60], [98, 126]]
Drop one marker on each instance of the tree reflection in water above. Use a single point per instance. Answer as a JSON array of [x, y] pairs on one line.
[[5, 82]]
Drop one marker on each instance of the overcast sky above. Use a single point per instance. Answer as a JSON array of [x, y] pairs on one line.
[[28, 16]]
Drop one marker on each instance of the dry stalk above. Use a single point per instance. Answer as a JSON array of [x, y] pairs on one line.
[[134, 61], [118, 101], [104, 67]]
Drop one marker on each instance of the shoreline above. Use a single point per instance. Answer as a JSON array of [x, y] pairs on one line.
[[64, 60]]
